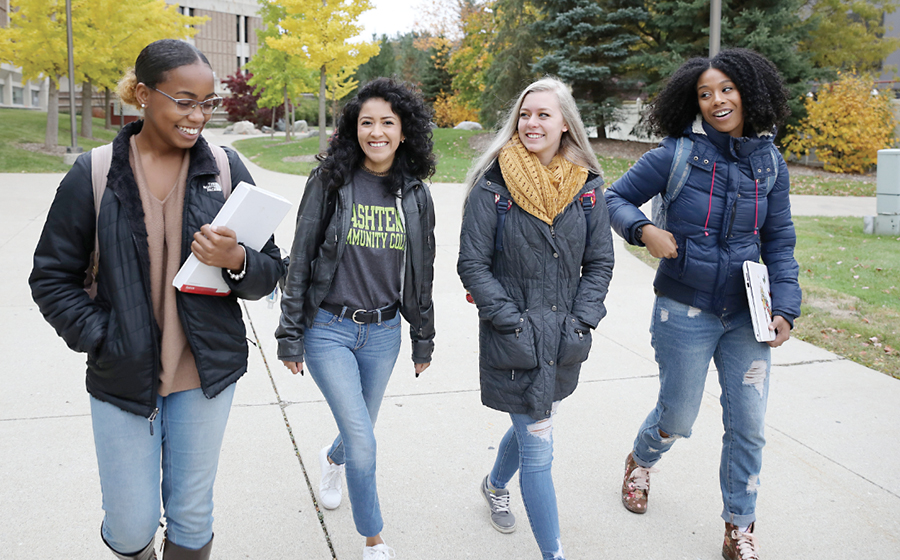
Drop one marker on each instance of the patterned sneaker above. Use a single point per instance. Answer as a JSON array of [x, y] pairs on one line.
[[378, 552], [498, 500], [738, 545], [636, 486], [331, 484]]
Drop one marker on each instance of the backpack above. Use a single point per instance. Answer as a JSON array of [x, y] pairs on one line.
[[588, 200], [101, 160], [678, 176]]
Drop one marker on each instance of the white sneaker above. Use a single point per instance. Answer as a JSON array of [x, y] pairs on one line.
[[331, 483], [378, 552]]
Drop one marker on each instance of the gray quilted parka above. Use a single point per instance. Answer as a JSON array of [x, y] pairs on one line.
[[538, 298]]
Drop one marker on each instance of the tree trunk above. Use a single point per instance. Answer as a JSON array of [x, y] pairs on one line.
[[323, 139], [272, 133], [51, 136], [107, 98], [86, 110], [287, 124]]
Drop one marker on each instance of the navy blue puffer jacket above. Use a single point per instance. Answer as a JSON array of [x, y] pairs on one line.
[[722, 217]]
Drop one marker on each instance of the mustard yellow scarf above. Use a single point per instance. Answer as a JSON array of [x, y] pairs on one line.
[[541, 191]]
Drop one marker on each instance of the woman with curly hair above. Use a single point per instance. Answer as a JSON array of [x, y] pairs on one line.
[[363, 254], [732, 207], [536, 254]]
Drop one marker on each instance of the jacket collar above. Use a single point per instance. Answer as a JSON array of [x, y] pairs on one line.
[[737, 148]]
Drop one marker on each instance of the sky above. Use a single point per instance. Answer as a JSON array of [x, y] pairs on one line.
[[388, 17]]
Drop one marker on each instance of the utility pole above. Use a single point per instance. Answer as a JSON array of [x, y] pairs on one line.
[[715, 27], [73, 149]]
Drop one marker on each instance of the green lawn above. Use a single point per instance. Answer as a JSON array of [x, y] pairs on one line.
[[450, 146], [22, 126], [851, 284]]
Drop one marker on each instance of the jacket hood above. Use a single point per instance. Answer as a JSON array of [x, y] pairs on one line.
[[737, 148]]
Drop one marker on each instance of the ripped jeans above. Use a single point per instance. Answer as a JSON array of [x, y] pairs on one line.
[[685, 339], [527, 447]]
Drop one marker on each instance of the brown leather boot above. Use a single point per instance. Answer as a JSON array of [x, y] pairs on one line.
[[636, 486], [738, 545], [171, 551]]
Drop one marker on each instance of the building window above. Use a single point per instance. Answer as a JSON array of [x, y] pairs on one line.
[[238, 27], [246, 28], [239, 63], [18, 96], [2, 94], [35, 98]]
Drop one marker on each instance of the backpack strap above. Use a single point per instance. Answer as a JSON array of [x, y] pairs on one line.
[[503, 206], [101, 160], [224, 176], [588, 200], [678, 175]]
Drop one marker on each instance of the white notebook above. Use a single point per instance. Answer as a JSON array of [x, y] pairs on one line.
[[253, 214], [759, 295]]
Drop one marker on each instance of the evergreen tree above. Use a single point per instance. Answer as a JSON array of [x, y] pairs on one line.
[[436, 79], [384, 64], [676, 30], [586, 45], [514, 51], [411, 62]]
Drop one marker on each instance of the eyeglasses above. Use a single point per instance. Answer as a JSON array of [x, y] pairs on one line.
[[187, 106]]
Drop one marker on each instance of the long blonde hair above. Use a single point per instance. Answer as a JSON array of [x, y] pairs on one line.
[[573, 145]]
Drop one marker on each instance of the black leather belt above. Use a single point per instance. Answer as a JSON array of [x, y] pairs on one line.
[[361, 316]]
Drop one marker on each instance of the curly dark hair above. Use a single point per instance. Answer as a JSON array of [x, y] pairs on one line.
[[413, 158], [763, 94]]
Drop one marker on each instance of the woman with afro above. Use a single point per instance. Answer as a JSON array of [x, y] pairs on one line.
[[363, 254], [733, 207]]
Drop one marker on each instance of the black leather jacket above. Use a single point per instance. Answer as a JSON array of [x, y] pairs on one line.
[[319, 243], [118, 329]]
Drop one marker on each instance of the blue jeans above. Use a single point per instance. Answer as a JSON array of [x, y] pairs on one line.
[[685, 339], [187, 437], [351, 364], [528, 448]]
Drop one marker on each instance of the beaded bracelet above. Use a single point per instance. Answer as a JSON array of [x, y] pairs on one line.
[[240, 275]]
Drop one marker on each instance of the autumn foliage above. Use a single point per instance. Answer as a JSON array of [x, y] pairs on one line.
[[846, 124], [449, 111]]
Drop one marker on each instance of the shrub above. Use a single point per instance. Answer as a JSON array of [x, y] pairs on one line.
[[241, 105], [846, 123], [449, 111]]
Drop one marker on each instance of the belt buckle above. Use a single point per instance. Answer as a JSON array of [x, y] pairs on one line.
[[354, 316]]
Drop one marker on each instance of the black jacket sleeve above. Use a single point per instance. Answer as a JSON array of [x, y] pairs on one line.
[[61, 260]]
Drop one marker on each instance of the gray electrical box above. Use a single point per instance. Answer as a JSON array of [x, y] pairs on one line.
[[887, 196], [888, 188]]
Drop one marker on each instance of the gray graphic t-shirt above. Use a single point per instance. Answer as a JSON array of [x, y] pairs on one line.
[[369, 274]]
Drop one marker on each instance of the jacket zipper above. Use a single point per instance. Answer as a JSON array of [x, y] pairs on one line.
[[733, 215]]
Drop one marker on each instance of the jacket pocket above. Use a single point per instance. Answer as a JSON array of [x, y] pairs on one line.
[[513, 348], [575, 342]]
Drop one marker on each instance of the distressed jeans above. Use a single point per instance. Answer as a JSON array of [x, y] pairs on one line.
[[178, 460], [352, 364], [527, 447], [685, 339]]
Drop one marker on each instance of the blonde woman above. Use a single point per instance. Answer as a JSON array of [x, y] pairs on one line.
[[536, 255]]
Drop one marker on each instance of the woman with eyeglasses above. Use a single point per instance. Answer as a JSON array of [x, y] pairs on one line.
[[161, 364]]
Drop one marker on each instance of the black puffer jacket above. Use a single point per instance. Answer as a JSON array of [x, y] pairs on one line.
[[321, 234], [117, 329], [537, 299]]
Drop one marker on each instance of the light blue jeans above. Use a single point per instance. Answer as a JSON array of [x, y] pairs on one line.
[[186, 440], [352, 365], [527, 447], [685, 339]]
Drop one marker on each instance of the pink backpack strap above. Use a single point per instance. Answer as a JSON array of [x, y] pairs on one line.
[[224, 177]]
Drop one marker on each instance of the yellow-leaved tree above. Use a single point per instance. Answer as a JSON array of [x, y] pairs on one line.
[[847, 122], [317, 31], [109, 35]]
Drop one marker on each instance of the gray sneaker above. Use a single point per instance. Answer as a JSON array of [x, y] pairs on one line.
[[498, 500]]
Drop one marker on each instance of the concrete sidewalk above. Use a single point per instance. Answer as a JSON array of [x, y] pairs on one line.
[[828, 490]]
